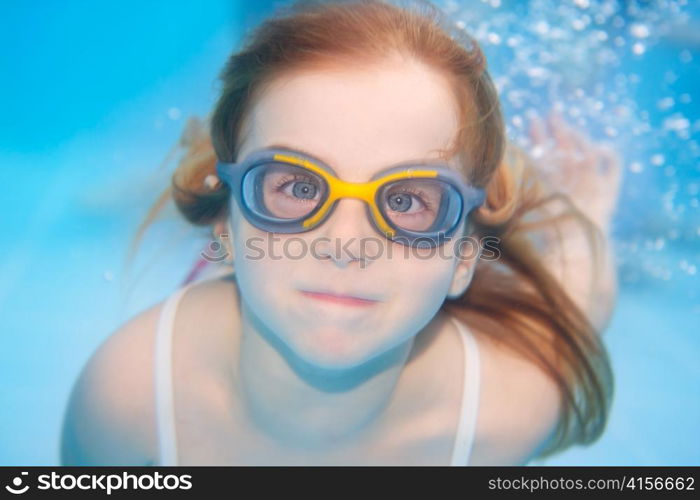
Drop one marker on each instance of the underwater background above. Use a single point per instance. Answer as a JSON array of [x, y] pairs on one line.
[[95, 97]]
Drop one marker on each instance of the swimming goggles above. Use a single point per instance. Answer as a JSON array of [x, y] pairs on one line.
[[285, 191]]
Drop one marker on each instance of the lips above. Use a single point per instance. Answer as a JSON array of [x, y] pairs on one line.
[[339, 298]]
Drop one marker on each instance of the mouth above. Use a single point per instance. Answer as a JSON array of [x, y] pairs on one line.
[[348, 300]]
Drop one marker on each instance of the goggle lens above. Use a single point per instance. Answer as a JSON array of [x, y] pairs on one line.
[[419, 205], [283, 191]]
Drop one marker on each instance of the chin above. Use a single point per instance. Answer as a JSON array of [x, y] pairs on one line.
[[333, 350]]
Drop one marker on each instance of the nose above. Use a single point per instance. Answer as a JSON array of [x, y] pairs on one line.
[[347, 230]]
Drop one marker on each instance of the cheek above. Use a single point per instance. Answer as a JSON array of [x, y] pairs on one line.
[[425, 281], [419, 283], [257, 269]]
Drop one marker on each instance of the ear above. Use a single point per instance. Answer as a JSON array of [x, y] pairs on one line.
[[463, 274], [223, 234]]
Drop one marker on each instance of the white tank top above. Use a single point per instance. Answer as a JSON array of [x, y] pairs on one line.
[[165, 416]]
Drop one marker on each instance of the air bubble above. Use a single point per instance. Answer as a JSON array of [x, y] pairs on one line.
[[638, 48], [610, 131], [578, 24], [665, 103], [537, 72], [494, 38], [542, 28], [639, 30], [174, 113], [676, 122]]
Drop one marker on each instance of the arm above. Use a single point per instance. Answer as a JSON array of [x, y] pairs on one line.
[[593, 289], [589, 174], [521, 416], [109, 418]]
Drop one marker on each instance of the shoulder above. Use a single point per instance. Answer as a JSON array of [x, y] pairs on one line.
[[519, 406], [109, 418], [210, 295], [211, 309]]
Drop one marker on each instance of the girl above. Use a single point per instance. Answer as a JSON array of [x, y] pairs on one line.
[[399, 285]]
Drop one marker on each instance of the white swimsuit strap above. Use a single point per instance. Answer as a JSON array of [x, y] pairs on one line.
[[165, 416], [165, 408], [470, 398], [165, 411]]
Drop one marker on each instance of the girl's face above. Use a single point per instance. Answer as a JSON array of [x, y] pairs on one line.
[[358, 121]]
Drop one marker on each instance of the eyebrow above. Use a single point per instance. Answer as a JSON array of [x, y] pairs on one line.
[[423, 161]]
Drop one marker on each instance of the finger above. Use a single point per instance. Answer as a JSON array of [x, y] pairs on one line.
[[538, 131], [610, 164], [562, 132], [578, 137]]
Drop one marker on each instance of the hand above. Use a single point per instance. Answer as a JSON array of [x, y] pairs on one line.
[[589, 173]]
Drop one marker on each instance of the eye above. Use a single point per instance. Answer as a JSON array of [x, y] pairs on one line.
[[298, 187], [414, 204], [403, 202], [409, 200]]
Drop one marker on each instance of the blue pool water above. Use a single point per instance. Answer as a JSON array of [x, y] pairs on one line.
[[99, 95]]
